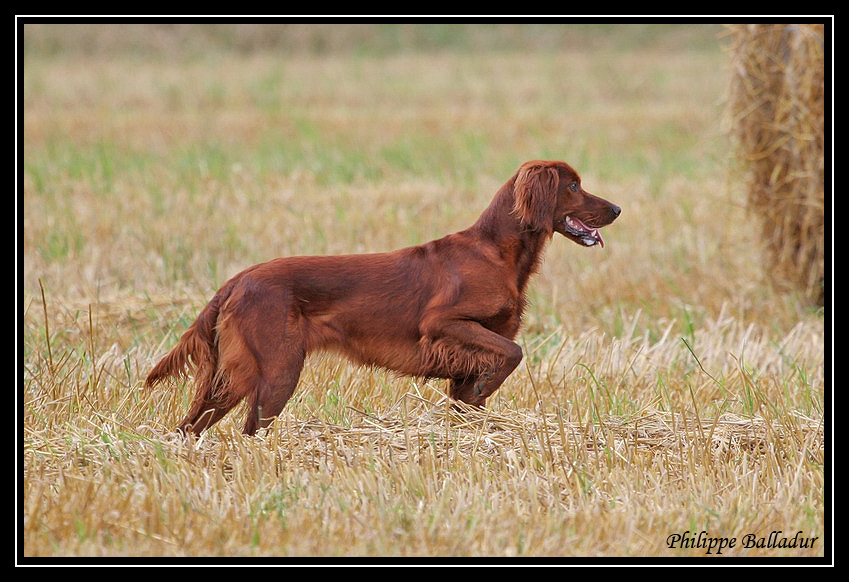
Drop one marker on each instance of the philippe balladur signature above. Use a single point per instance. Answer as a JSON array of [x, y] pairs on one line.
[[773, 540]]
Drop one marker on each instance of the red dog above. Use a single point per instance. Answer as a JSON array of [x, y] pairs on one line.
[[445, 309]]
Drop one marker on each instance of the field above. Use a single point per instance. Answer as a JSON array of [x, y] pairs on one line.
[[667, 387]]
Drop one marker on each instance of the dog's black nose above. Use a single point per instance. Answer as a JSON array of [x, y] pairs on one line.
[[615, 210]]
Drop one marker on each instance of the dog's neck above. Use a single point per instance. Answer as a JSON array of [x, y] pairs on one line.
[[517, 243]]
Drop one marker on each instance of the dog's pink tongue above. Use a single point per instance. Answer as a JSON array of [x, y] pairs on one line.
[[594, 234]]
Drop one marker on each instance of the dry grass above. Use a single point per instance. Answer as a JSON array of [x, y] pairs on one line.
[[666, 386]]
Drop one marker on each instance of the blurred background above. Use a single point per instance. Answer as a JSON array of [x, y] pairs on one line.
[[168, 40], [165, 155]]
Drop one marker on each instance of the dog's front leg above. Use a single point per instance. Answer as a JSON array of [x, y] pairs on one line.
[[482, 359]]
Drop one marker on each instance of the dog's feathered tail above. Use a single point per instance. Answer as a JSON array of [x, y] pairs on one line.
[[196, 349]]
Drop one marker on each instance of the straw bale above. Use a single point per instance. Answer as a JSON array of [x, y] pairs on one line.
[[775, 116]]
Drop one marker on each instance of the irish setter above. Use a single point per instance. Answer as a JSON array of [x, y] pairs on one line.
[[448, 309]]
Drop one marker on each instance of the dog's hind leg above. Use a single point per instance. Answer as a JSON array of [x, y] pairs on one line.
[[272, 337], [206, 410], [278, 378]]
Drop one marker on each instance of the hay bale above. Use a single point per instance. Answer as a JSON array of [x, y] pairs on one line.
[[776, 117]]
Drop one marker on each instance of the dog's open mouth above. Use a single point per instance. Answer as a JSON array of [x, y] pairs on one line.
[[588, 236]]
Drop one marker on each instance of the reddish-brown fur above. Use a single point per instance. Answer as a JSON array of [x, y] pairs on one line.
[[449, 308]]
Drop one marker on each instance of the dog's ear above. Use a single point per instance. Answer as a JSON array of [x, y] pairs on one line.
[[535, 195]]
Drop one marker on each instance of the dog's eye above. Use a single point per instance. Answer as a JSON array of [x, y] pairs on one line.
[[573, 186]]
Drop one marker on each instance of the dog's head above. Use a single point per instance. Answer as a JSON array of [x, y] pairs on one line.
[[548, 196]]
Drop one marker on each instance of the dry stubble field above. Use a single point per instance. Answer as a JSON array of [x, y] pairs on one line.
[[666, 387]]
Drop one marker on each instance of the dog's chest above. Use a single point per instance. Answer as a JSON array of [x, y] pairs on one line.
[[506, 320]]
